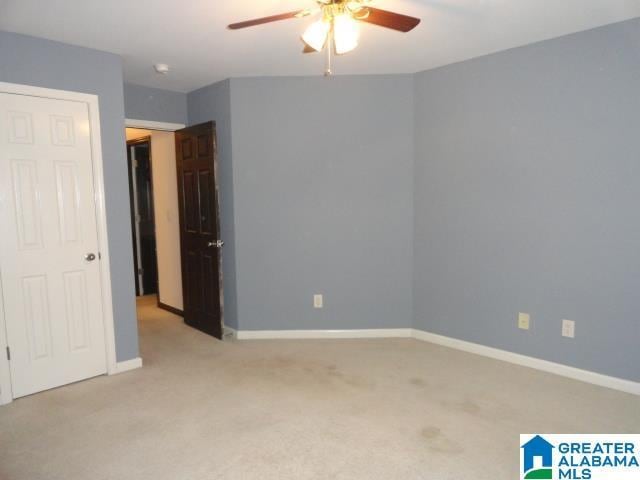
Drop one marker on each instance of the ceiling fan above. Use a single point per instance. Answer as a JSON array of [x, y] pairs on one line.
[[338, 25]]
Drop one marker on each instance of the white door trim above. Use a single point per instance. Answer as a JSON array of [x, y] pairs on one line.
[[151, 125], [6, 395]]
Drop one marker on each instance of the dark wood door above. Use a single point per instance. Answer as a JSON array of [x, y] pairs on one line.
[[142, 216], [199, 230]]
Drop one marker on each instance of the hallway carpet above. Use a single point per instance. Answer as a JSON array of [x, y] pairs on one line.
[[314, 409]]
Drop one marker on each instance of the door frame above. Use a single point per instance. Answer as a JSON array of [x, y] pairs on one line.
[[161, 127], [92, 102]]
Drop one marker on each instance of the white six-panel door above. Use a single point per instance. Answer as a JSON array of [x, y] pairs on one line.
[[51, 287]]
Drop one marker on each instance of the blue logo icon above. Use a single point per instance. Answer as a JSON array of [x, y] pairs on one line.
[[538, 447]]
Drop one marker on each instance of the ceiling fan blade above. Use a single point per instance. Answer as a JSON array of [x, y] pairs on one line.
[[272, 18], [395, 21]]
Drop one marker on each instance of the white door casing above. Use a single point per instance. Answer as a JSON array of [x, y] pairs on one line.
[[57, 315]]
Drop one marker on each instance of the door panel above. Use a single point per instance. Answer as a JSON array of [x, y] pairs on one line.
[[75, 290], [37, 316], [51, 293], [191, 198], [68, 202], [199, 229], [193, 291], [206, 202], [210, 277]]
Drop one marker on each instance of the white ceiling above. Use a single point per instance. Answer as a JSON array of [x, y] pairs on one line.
[[191, 35]]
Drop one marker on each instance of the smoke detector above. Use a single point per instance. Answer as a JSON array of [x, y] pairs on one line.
[[161, 68]]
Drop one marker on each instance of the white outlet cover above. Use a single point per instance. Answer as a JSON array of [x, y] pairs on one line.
[[524, 321], [317, 300], [568, 328]]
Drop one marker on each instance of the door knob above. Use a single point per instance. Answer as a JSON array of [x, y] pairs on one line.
[[217, 243], [90, 257]]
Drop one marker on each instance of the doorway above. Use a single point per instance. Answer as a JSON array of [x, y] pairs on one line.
[[173, 181], [159, 253]]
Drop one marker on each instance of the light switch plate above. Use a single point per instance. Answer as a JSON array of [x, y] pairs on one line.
[[524, 320], [317, 300]]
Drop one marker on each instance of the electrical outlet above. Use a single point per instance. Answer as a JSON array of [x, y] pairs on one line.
[[568, 328], [524, 319], [317, 300]]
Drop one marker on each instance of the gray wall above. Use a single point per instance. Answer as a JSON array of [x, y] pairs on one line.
[[323, 203], [145, 103], [42, 63], [214, 103], [527, 195]]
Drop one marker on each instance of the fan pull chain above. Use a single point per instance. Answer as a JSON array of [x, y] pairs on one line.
[[327, 71]]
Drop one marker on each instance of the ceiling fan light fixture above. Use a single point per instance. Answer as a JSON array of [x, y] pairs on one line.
[[346, 33], [356, 6], [316, 34], [338, 28]]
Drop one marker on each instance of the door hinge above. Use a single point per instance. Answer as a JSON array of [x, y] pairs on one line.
[[141, 271], [8, 353]]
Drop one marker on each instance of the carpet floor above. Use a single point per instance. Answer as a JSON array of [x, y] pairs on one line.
[[312, 409]]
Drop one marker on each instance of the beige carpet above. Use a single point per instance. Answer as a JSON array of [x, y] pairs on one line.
[[332, 409]]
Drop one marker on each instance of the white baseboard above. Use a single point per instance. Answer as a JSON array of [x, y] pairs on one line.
[[320, 334], [587, 376], [120, 367], [127, 365]]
